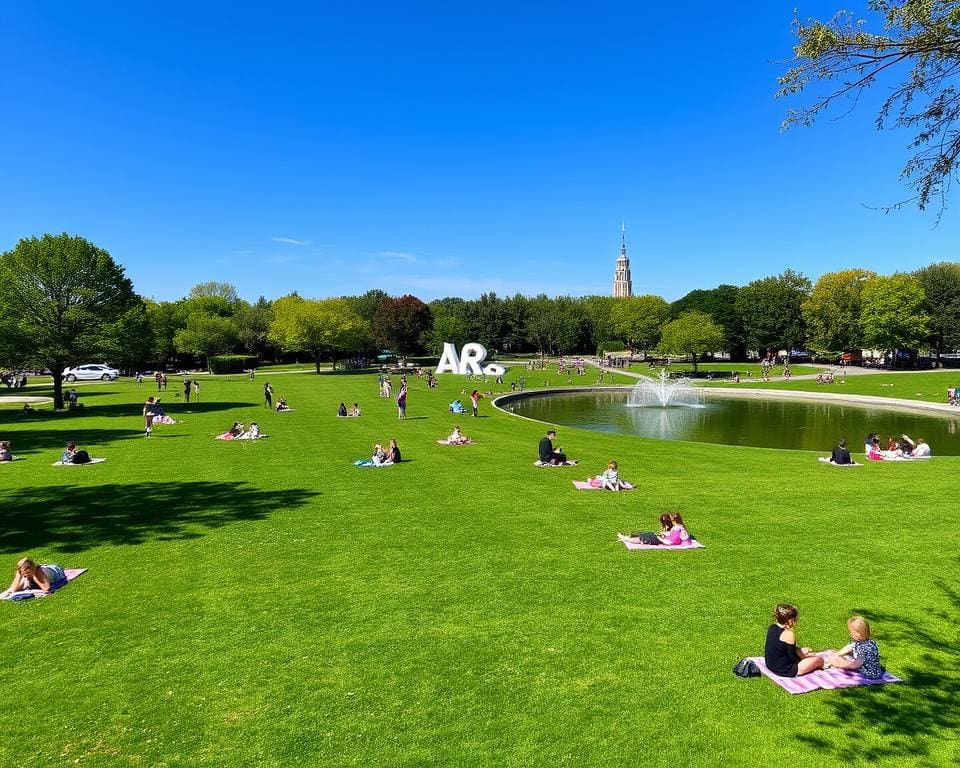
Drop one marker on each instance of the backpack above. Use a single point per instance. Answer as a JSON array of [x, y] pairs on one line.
[[746, 668], [81, 457]]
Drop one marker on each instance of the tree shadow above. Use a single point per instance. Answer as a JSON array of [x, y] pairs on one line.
[[27, 442], [75, 518], [900, 720]]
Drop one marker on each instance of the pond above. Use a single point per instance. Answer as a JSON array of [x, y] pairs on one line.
[[766, 423]]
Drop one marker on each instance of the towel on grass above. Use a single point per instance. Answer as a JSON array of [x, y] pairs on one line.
[[825, 460], [26, 594], [369, 463], [583, 485], [899, 458], [468, 441], [822, 678], [691, 544], [567, 463], [71, 464]]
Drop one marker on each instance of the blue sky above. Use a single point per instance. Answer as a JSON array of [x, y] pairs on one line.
[[439, 148]]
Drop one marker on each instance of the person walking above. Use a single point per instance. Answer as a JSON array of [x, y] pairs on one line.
[[187, 388], [196, 390], [402, 403], [267, 395]]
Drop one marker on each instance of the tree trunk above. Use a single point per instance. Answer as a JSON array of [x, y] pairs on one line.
[[694, 356], [317, 361], [57, 372]]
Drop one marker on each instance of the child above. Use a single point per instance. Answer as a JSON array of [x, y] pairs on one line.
[[862, 654], [609, 478]]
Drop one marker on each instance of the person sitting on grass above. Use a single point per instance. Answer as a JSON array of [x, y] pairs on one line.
[[649, 537], [233, 433], [780, 652], [918, 449], [5, 453], [29, 575], [840, 454], [251, 434], [862, 654], [71, 455], [393, 452], [609, 478], [547, 454], [356, 410], [379, 457], [457, 438], [342, 410], [455, 407], [282, 405]]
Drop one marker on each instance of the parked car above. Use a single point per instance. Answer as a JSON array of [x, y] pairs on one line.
[[91, 372]]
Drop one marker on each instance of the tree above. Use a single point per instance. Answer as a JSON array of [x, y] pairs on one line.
[[771, 311], [366, 305], [317, 326], [206, 335], [215, 290], [253, 325], [893, 315], [638, 320], [165, 320], [694, 333], [400, 324], [66, 301], [832, 311], [941, 289], [916, 57], [599, 310], [721, 304]]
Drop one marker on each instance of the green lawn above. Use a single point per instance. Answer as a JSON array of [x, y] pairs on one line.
[[269, 604]]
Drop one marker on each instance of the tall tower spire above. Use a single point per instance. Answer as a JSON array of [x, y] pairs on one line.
[[622, 284]]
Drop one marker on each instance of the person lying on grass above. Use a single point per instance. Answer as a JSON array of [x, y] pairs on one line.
[[918, 449], [780, 652], [673, 533], [861, 655], [609, 478], [29, 575], [251, 434], [282, 405], [235, 432]]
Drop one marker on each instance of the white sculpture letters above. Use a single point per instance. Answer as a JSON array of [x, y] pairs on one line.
[[469, 361]]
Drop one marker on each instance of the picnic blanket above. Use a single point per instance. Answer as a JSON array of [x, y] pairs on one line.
[[26, 594], [691, 544], [825, 460], [369, 463], [71, 464], [583, 485], [822, 678], [468, 441], [899, 458], [567, 463]]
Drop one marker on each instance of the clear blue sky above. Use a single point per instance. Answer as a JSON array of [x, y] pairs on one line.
[[439, 148]]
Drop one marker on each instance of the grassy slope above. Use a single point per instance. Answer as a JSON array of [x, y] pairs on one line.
[[269, 604]]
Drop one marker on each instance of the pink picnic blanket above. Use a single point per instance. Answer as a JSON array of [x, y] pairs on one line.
[[691, 544], [822, 678], [583, 485], [71, 574]]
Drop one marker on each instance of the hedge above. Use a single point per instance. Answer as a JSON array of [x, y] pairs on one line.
[[230, 363]]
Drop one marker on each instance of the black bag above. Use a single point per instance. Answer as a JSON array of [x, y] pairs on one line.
[[81, 457], [746, 668]]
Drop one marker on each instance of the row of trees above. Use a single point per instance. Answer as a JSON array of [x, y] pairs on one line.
[[65, 301]]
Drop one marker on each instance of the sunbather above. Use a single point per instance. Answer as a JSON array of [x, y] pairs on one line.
[[251, 434], [29, 575], [609, 478], [457, 438]]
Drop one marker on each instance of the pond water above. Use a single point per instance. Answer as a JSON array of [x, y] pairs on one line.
[[766, 423]]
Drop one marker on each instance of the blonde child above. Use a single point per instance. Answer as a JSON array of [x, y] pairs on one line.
[[862, 654], [610, 477]]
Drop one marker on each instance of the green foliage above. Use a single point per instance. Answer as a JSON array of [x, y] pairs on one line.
[[638, 319], [721, 304], [253, 325], [832, 311], [771, 311], [401, 324], [694, 333], [206, 334], [318, 326], [223, 292], [916, 59], [220, 364], [893, 315], [941, 289], [65, 302]]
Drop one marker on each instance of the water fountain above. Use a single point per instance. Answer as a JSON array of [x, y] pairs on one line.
[[664, 392]]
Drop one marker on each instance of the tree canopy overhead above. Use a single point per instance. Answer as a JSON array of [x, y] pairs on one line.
[[916, 55]]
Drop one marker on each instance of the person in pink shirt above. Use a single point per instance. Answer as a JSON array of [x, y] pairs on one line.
[[677, 534]]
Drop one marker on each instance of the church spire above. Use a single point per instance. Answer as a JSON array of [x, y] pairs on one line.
[[622, 283]]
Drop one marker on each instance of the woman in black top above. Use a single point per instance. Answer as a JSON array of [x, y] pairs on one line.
[[780, 653]]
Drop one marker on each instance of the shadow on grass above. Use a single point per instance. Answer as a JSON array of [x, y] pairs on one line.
[[28, 442], [172, 407], [72, 519], [906, 719]]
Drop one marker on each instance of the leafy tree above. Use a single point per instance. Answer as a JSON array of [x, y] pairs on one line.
[[832, 311], [917, 59], [516, 311], [400, 324], [893, 315], [771, 311], [941, 289], [66, 301], [721, 304], [215, 290], [638, 319], [599, 311], [165, 320], [366, 305], [253, 325], [317, 326], [490, 321], [447, 328], [694, 333], [206, 334]]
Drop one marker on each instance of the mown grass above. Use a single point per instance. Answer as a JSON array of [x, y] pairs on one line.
[[269, 604]]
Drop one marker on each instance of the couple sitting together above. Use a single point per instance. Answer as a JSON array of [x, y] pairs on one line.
[[239, 432], [784, 658], [342, 410], [456, 438], [384, 458], [673, 533]]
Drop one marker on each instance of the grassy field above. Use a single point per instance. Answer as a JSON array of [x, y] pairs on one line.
[[270, 604]]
